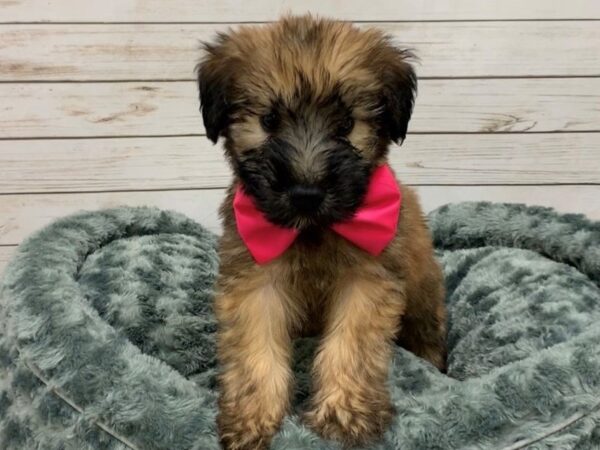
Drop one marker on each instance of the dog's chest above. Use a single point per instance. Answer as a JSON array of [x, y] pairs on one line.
[[314, 267]]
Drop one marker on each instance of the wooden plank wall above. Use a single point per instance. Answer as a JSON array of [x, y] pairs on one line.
[[98, 106]]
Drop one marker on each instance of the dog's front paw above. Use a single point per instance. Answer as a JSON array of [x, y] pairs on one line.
[[235, 441], [243, 433], [351, 419]]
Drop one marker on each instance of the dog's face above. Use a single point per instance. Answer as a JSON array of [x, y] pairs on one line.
[[307, 108]]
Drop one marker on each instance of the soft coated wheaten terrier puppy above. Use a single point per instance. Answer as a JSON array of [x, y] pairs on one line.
[[319, 239]]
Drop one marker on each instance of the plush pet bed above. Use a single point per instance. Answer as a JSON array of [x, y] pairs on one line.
[[107, 337]]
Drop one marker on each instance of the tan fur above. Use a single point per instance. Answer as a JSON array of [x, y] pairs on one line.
[[256, 381], [354, 300], [351, 403], [360, 305], [342, 54]]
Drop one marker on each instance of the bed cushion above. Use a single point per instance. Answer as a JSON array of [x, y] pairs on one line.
[[107, 337]]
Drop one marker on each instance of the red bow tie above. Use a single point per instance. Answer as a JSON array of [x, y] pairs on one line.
[[371, 228]]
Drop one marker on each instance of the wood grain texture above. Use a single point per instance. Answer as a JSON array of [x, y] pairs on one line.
[[98, 109], [5, 256], [472, 139], [260, 10], [169, 52], [23, 214], [171, 108], [80, 165]]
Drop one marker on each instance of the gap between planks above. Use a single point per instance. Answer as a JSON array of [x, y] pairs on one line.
[[262, 10]]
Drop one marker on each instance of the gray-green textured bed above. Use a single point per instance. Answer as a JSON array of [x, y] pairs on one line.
[[107, 337]]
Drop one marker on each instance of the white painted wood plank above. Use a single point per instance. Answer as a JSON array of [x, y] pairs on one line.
[[167, 52], [5, 256], [565, 199], [78, 165], [98, 109], [171, 108], [259, 10], [110, 164], [23, 214]]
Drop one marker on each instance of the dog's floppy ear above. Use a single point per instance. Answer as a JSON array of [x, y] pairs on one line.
[[214, 84], [399, 90]]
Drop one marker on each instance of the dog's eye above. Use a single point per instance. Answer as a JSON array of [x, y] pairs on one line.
[[346, 126], [270, 121]]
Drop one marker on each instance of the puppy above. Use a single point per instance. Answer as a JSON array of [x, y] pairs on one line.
[[308, 108]]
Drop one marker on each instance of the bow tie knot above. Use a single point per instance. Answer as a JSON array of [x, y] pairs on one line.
[[371, 228]]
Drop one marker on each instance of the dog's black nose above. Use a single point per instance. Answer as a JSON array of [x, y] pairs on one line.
[[306, 199]]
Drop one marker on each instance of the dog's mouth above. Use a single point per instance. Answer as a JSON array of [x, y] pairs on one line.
[[316, 213], [313, 221]]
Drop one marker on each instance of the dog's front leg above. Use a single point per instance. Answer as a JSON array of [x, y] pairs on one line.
[[254, 348], [351, 400]]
